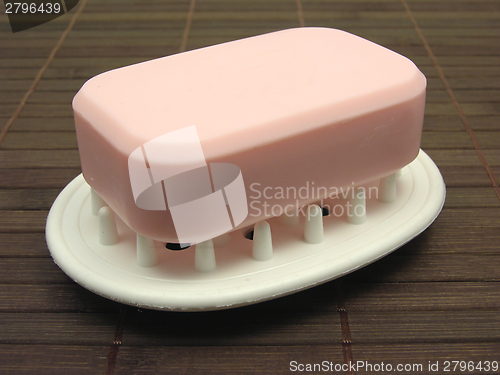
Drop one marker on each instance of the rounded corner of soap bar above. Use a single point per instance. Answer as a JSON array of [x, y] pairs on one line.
[[77, 101], [82, 101]]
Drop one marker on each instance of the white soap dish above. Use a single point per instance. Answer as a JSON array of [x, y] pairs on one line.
[[228, 274]]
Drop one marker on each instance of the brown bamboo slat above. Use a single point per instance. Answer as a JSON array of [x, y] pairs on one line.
[[472, 61], [492, 157], [47, 110], [50, 359], [39, 158], [51, 85], [36, 52], [450, 240], [476, 96], [443, 123], [468, 217], [483, 122], [446, 140], [454, 123], [26, 270], [283, 328], [14, 85], [425, 296], [430, 267], [62, 97], [131, 41], [464, 176], [68, 62], [27, 199], [10, 97], [40, 199], [41, 124], [23, 245], [22, 221], [57, 328], [40, 141], [426, 326], [37, 178], [408, 353], [471, 197], [52, 298], [198, 360]]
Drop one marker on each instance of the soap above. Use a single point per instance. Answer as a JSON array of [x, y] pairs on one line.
[[297, 113]]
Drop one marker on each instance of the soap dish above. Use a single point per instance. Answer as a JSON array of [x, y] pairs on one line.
[[228, 275]]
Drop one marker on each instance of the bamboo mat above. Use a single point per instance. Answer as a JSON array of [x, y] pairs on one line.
[[435, 299]]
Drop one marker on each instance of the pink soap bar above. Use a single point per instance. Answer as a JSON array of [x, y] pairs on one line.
[[294, 108]]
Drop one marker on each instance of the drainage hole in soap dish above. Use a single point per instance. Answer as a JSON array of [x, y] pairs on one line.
[[249, 235], [177, 246]]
